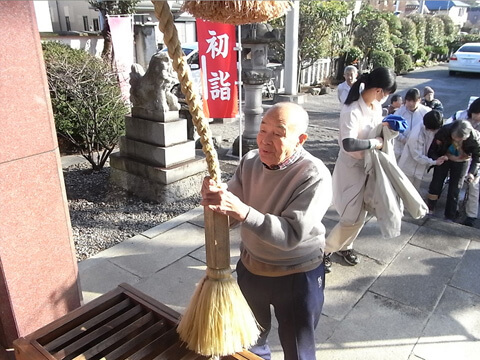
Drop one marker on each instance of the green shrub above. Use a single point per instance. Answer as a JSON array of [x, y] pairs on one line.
[[353, 55], [399, 51], [86, 100], [441, 52], [420, 55], [403, 63], [428, 52], [381, 58]]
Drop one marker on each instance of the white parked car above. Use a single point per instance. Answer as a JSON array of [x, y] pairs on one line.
[[465, 59]]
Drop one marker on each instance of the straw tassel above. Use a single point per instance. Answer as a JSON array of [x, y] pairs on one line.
[[218, 320]]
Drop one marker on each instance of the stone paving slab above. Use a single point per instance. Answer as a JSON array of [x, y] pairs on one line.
[[453, 228], [143, 256], [198, 220], [453, 332], [173, 223], [99, 275], [467, 276], [417, 277], [346, 285], [440, 241], [377, 328], [370, 242], [175, 284]]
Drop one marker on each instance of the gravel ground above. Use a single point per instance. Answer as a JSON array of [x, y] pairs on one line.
[[103, 214]]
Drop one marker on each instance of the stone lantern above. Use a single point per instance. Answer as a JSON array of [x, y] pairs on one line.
[[255, 40]]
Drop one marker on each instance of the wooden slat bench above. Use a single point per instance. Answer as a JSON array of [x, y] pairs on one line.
[[122, 324]]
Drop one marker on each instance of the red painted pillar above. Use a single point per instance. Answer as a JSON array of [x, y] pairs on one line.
[[38, 270]]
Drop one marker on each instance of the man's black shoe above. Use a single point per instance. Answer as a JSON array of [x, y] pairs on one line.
[[327, 263], [349, 257], [469, 221]]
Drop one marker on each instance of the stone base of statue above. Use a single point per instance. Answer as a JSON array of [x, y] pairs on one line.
[[156, 161], [158, 184]]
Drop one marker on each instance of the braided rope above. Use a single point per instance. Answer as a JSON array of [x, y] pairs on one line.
[[167, 26]]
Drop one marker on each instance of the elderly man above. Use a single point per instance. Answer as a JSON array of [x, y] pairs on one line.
[[350, 74], [279, 194]]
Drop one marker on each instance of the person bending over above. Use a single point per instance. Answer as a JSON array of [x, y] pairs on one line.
[[461, 144], [472, 114]]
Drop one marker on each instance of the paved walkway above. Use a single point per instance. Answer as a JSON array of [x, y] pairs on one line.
[[413, 297]]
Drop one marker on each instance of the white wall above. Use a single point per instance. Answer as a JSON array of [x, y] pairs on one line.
[[458, 15], [92, 44], [75, 10], [42, 13]]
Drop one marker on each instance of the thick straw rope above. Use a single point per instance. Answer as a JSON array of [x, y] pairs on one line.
[[218, 320], [167, 26]]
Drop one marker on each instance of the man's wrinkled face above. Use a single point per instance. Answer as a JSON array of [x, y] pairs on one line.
[[278, 137], [412, 105], [350, 77]]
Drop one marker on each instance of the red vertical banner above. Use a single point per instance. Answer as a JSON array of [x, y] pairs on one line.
[[218, 65]]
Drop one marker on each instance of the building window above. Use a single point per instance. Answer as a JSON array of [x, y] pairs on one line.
[[67, 22], [85, 23], [96, 26], [461, 11]]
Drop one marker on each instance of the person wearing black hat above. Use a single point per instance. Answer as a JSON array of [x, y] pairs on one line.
[[430, 101]]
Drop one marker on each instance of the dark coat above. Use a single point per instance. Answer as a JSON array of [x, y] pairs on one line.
[[443, 139]]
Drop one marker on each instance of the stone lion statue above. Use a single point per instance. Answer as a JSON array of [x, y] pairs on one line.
[[150, 90]]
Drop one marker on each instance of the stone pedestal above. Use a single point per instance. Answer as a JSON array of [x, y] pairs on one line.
[[38, 269], [157, 161]]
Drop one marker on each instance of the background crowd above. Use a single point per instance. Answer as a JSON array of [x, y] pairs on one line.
[[437, 151]]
